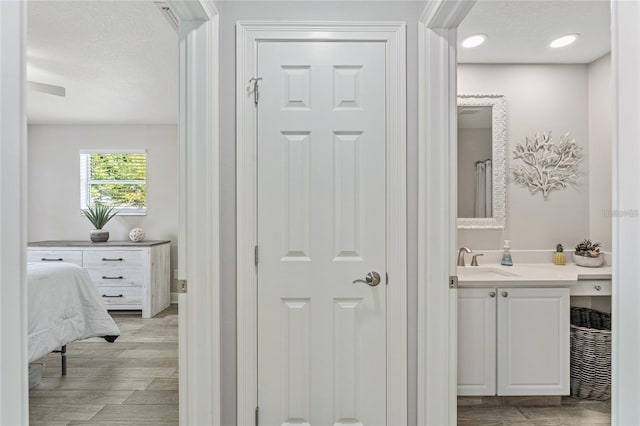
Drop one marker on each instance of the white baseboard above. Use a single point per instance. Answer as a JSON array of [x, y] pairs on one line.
[[174, 298]]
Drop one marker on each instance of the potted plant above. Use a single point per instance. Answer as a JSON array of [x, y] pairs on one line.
[[587, 254], [99, 214]]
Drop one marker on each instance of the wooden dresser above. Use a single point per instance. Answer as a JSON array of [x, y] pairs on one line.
[[128, 275]]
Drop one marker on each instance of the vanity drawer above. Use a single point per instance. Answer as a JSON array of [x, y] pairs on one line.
[[69, 256], [118, 277], [591, 288], [112, 258], [121, 296]]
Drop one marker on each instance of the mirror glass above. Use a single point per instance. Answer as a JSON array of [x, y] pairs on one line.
[[481, 161]]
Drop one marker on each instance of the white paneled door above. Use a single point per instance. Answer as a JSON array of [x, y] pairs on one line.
[[321, 226]]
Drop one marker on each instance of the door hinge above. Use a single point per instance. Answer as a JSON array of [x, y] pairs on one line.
[[453, 281], [257, 415], [182, 286], [255, 254], [256, 89]]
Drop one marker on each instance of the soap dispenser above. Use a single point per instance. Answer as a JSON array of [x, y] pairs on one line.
[[506, 255]]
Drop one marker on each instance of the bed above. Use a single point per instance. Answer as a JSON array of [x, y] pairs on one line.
[[64, 306]]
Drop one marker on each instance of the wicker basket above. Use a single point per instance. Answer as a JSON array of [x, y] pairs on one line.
[[590, 354]]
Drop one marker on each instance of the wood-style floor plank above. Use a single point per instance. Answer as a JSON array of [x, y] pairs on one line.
[[490, 411], [133, 381]]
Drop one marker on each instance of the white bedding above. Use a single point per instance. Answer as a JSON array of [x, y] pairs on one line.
[[64, 306]]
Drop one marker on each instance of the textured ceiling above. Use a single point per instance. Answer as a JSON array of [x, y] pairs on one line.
[[117, 59], [520, 31]]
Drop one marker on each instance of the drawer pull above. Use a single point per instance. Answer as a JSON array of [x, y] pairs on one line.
[[598, 288], [106, 259], [492, 294], [505, 294], [44, 259], [104, 277], [120, 295]]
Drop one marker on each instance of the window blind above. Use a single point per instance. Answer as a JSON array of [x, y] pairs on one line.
[[117, 179]]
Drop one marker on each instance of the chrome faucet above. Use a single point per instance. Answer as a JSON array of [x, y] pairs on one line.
[[474, 259], [461, 255]]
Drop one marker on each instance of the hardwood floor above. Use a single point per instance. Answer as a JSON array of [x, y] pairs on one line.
[[133, 381], [567, 411]]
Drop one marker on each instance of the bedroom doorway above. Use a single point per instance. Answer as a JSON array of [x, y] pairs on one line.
[[130, 113], [102, 133]]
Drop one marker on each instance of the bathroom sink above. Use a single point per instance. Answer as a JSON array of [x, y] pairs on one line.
[[485, 271]]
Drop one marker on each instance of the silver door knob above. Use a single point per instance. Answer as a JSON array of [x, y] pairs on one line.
[[492, 294], [505, 294], [372, 279]]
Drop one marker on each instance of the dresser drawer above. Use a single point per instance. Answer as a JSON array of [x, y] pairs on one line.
[[591, 288], [118, 277], [69, 256], [121, 295], [112, 258]]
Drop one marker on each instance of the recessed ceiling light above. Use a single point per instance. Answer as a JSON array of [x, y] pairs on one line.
[[564, 41], [474, 40]]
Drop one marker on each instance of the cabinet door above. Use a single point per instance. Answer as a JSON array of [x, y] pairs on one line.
[[533, 341], [476, 341]]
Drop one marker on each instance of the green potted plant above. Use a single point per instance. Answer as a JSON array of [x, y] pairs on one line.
[[99, 214], [587, 253]]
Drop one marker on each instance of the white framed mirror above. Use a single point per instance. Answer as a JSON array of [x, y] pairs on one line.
[[482, 139]]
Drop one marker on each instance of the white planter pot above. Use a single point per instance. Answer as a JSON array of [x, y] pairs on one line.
[[590, 262]]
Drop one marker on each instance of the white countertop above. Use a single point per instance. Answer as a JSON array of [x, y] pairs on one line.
[[529, 274]]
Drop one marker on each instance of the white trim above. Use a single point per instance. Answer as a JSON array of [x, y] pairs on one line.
[[499, 161], [198, 212], [173, 298], [247, 36], [437, 118], [13, 213], [625, 62]]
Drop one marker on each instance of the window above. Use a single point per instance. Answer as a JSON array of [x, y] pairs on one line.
[[115, 178]]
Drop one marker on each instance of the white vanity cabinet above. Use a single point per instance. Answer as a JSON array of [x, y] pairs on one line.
[[513, 341], [477, 309], [128, 275]]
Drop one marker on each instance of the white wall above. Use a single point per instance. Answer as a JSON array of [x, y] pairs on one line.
[[539, 98], [306, 11], [54, 181], [600, 150]]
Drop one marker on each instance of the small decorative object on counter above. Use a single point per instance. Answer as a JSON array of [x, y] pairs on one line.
[[506, 255], [587, 254], [136, 235], [99, 214], [558, 257]]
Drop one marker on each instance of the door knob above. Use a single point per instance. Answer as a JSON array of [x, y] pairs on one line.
[[372, 279]]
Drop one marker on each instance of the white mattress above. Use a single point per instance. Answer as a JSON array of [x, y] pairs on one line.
[[64, 306]]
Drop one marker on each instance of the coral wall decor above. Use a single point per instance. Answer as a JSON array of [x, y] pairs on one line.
[[547, 165]]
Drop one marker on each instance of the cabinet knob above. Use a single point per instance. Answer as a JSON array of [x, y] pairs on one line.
[[492, 294], [598, 288], [505, 294]]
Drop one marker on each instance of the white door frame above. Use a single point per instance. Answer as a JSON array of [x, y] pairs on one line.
[[198, 212], [14, 385], [248, 35], [437, 232], [437, 239], [625, 66], [199, 194]]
